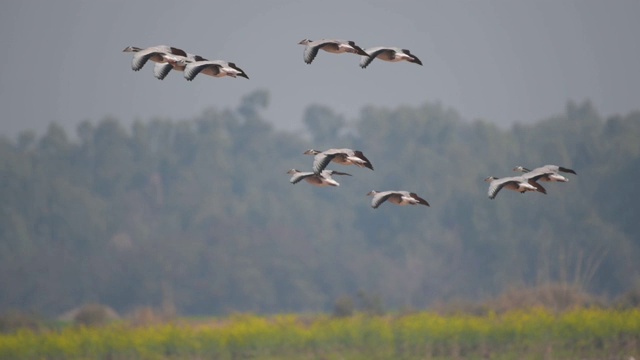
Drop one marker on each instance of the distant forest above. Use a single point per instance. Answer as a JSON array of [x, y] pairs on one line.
[[200, 216]]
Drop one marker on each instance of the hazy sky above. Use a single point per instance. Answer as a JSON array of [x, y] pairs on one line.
[[504, 61]]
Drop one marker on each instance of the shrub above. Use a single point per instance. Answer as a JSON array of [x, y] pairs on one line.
[[93, 315], [16, 320], [343, 306]]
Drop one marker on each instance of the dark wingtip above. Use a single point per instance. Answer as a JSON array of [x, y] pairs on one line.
[[563, 169]]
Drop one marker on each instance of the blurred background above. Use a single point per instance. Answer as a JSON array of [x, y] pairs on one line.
[[120, 189]]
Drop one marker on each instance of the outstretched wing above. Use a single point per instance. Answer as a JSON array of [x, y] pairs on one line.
[[420, 200], [161, 70], [358, 49], [372, 54], [414, 59], [537, 185], [140, 59], [494, 187], [359, 154], [321, 160], [333, 172], [310, 52], [379, 198], [193, 69], [297, 177], [241, 72], [567, 170]]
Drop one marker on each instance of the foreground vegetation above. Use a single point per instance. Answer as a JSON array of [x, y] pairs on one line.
[[522, 334]]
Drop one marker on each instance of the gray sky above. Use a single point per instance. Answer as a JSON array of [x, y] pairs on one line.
[[504, 61]]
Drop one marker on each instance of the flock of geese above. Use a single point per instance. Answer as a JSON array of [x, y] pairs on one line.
[[320, 176], [167, 58], [529, 180]]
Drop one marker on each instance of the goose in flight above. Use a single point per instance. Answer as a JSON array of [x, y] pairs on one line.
[[329, 45], [396, 197], [515, 183], [392, 54], [215, 68], [153, 53], [551, 172], [341, 156], [322, 179]]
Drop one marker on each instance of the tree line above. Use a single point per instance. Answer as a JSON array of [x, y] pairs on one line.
[[199, 216]]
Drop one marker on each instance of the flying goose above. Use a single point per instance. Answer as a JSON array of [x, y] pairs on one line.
[[340, 156], [215, 68], [174, 62], [392, 54], [396, 197], [329, 45], [551, 172], [322, 179], [153, 53], [515, 183]]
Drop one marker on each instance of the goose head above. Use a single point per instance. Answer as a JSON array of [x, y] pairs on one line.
[[304, 42], [491, 178], [521, 169], [372, 193], [311, 152], [292, 172], [131, 49]]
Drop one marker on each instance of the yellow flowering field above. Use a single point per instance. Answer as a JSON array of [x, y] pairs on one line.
[[531, 334]]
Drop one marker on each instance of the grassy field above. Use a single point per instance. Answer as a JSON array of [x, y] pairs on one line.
[[531, 334]]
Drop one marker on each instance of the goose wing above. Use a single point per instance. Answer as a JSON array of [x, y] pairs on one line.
[[206, 67], [567, 170], [496, 185], [381, 197], [329, 173], [420, 200], [359, 154], [161, 70], [414, 59], [321, 160], [240, 71], [557, 168], [372, 54], [358, 49], [299, 176], [539, 188], [532, 178], [140, 59], [311, 50]]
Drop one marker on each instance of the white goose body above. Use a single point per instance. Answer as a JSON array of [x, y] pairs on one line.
[[153, 53], [551, 173], [401, 198], [322, 179], [333, 46], [340, 156], [391, 54]]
